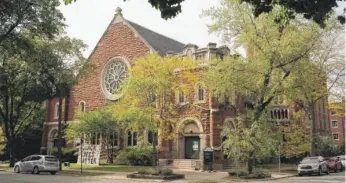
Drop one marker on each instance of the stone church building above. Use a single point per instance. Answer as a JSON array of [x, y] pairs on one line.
[[121, 43]]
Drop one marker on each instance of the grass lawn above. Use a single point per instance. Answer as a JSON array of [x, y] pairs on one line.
[[113, 168], [77, 173]]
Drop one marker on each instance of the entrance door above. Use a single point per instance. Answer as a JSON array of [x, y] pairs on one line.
[[192, 147]]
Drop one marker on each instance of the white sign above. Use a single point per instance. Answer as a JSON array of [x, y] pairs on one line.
[[90, 154], [195, 145]]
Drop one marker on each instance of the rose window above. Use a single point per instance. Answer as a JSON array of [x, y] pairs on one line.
[[113, 76]]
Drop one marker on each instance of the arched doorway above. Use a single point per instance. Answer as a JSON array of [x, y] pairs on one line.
[[53, 138], [190, 139]]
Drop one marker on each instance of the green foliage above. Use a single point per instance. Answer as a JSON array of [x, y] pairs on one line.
[[326, 147], [241, 143], [99, 121], [319, 11], [156, 171], [142, 155], [68, 154], [147, 171], [168, 8], [297, 140]]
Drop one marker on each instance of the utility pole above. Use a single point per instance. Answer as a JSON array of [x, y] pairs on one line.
[[81, 155], [280, 149]]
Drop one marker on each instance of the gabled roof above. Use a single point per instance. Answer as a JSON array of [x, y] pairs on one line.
[[160, 43]]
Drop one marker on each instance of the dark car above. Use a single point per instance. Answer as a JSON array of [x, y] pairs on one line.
[[334, 164]]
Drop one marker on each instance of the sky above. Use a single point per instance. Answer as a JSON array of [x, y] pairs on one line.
[[88, 19]]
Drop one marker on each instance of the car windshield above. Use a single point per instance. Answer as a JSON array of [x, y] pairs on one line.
[[310, 161], [50, 158]]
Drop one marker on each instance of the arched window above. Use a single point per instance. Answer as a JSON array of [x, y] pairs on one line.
[[201, 93], [129, 139], [275, 114], [279, 114], [82, 106], [271, 114], [55, 138], [56, 111], [181, 97], [286, 114], [134, 143], [152, 137]]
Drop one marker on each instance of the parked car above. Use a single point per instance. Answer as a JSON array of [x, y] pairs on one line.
[[342, 159], [334, 164], [314, 164], [37, 163]]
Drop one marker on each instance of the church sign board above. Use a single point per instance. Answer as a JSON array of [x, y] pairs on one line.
[[90, 154]]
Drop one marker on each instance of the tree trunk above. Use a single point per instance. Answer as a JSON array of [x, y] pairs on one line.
[[250, 163], [313, 132], [11, 152], [154, 151], [59, 133]]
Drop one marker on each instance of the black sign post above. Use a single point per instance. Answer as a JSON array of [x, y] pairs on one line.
[[208, 158]]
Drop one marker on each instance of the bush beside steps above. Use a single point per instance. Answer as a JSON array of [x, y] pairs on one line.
[[254, 175], [157, 174]]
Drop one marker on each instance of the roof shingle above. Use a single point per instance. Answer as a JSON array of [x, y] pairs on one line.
[[160, 43]]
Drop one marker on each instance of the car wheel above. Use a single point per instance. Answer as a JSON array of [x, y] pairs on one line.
[[36, 170], [17, 169], [52, 173], [299, 174], [327, 172]]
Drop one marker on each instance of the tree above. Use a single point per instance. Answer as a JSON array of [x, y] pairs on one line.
[[168, 8], [326, 147], [295, 139], [241, 142], [39, 17], [90, 123], [150, 92], [28, 76], [30, 60], [69, 68], [318, 11], [321, 76], [273, 53]]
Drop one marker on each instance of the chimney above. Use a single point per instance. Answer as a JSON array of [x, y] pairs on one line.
[[211, 45]]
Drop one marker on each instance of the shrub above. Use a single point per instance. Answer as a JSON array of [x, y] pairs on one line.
[[257, 175], [240, 173], [68, 154], [141, 155], [147, 171]]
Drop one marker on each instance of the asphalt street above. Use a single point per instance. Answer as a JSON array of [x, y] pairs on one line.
[[331, 178], [6, 177]]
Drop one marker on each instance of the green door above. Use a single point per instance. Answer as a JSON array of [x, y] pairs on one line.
[[192, 147]]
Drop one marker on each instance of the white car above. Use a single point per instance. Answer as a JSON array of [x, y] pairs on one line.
[[36, 164], [310, 165], [342, 159]]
